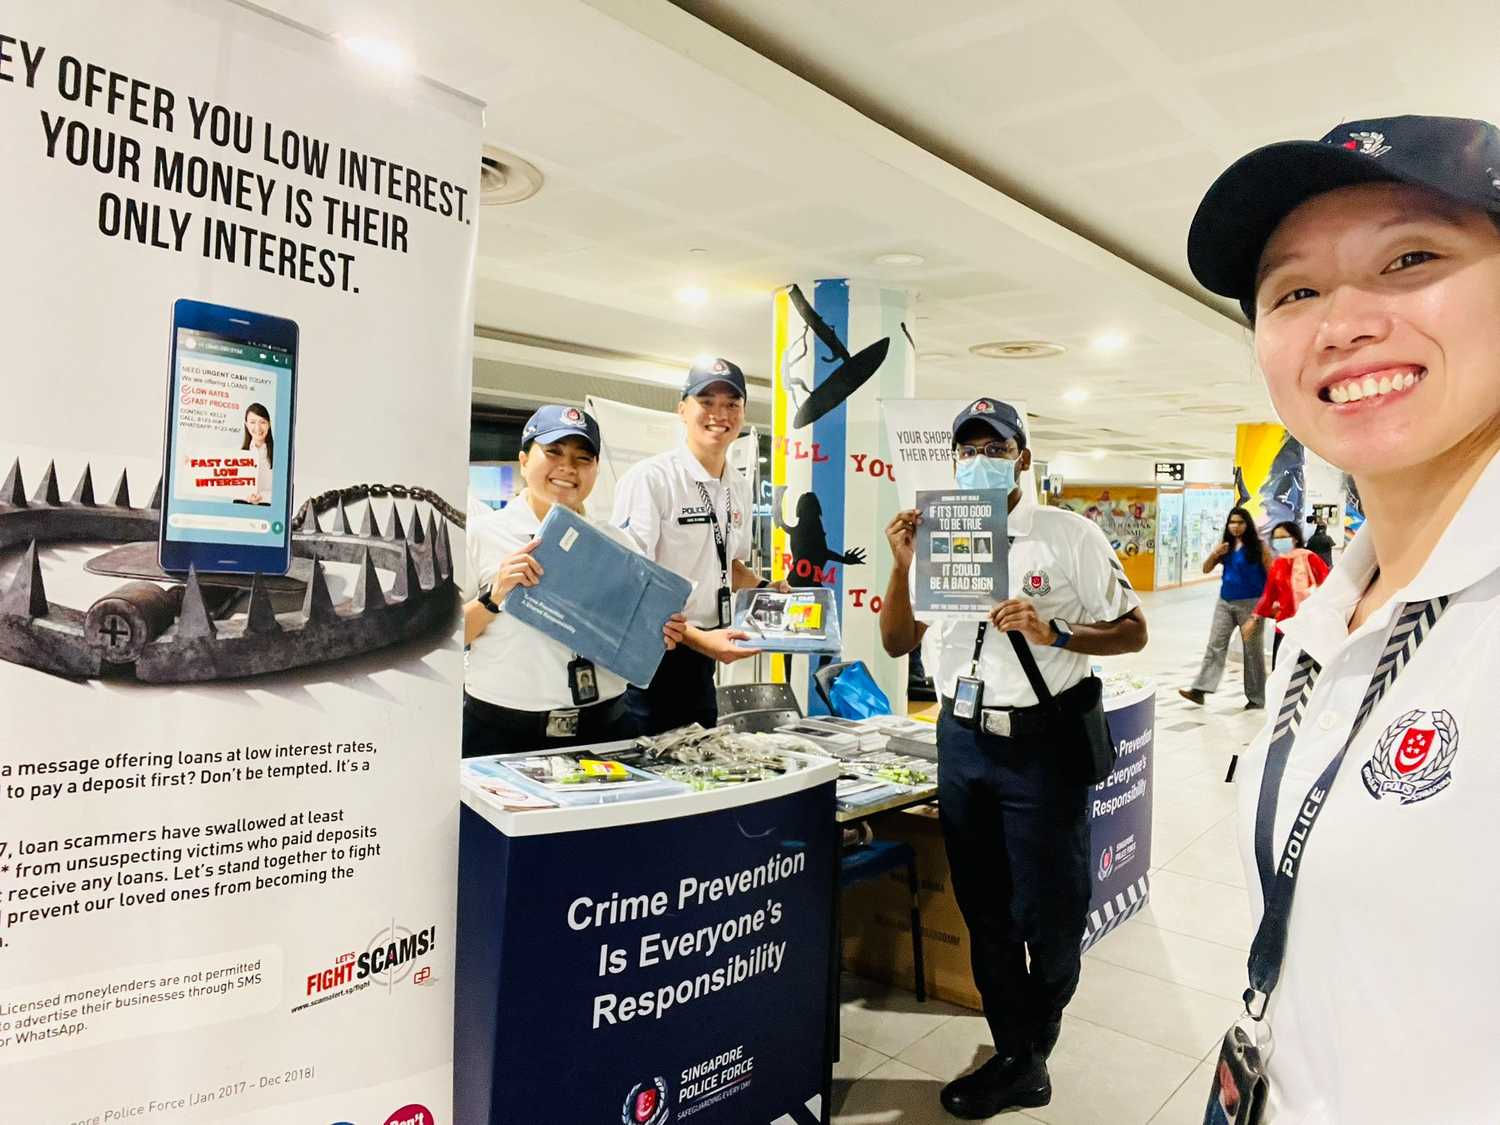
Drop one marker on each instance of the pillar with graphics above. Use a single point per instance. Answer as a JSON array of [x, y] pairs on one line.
[[839, 348]]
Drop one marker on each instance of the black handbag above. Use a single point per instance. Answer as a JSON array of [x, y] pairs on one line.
[[1074, 719]]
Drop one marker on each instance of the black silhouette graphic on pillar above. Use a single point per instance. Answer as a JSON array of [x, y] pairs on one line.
[[811, 553], [852, 372]]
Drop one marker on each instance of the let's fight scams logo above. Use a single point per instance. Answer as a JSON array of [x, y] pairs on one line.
[[389, 959]]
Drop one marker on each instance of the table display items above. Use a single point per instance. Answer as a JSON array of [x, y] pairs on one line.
[[801, 621]]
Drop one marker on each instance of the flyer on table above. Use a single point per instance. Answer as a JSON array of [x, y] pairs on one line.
[[961, 552], [238, 262]]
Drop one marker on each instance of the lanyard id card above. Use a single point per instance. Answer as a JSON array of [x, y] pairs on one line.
[[726, 595], [968, 695], [1241, 1083], [583, 681]]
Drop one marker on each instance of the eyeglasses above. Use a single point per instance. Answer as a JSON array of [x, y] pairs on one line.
[[990, 449]]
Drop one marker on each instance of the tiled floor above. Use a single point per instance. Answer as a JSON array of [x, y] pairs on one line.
[[1157, 993]]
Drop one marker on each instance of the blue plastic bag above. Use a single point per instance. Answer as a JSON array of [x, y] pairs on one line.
[[856, 695]]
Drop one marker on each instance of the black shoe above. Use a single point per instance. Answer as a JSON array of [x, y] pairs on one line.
[[1192, 695], [1255, 707], [998, 1085], [1046, 1039]]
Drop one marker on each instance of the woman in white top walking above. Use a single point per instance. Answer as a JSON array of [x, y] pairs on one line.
[[1369, 264]]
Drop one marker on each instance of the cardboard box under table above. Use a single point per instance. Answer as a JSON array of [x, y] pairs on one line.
[[666, 958], [877, 914]]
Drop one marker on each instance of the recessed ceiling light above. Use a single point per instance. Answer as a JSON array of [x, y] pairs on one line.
[[934, 355], [1109, 342], [900, 259], [1075, 394], [381, 52], [506, 178], [1099, 454], [1017, 349], [698, 250], [692, 295], [765, 460]]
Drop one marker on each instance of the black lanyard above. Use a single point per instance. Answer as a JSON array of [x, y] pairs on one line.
[[1278, 885], [713, 518]]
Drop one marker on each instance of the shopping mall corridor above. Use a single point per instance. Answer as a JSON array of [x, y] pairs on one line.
[[1158, 992]]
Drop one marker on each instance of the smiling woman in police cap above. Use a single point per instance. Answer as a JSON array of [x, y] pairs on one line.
[[1014, 813], [1369, 264], [522, 689]]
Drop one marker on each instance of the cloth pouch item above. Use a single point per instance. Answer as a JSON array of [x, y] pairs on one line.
[[602, 600]]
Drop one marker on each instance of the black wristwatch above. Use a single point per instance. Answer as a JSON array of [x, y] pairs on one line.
[[488, 602], [1064, 633], [763, 583]]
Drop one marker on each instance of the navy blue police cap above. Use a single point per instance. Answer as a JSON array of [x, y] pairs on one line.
[[552, 423], [998, 416], [1454, 156], [706, 372]]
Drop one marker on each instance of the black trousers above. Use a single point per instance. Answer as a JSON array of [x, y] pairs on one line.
[[1017, 837], [500, 730], [681, 692]]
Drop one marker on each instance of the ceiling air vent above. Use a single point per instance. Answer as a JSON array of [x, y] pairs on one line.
[[505, 178], [1017, 349]]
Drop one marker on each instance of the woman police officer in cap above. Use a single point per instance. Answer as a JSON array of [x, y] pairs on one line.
[[1369, 264], [522, 689]]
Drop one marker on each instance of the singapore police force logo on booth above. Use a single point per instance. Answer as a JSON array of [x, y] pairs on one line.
[[646, 1104], [1413, 759]]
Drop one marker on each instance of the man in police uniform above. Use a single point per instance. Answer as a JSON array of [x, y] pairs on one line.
[[1015, 827], [691, 513]]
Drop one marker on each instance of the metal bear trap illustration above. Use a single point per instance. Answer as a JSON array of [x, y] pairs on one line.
[[181, 633]]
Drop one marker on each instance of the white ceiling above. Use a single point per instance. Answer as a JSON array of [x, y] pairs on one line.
[[659, 135]]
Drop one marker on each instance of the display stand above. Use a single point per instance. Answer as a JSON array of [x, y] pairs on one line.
[[660, 959]]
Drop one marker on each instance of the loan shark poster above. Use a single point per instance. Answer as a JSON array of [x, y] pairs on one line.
[[235, 305]]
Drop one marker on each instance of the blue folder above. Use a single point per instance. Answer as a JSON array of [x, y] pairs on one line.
[[604, 601]]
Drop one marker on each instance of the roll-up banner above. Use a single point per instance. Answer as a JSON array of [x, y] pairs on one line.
[[238, 258]]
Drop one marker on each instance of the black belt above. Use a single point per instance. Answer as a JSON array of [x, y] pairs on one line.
[[1007, 722], [592, 717]]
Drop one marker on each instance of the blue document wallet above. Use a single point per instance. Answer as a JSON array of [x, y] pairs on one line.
[[598, 597]]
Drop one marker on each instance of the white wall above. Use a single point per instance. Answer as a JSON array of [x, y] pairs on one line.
[[1134, 470]]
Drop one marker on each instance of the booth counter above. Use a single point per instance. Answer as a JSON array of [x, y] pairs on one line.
[[664, 958]]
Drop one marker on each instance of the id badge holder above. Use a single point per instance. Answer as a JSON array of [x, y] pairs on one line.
[[583, 682], [1239, 1088], [968, 700], [726, 605]]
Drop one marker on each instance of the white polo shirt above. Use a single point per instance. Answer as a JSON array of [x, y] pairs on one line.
[[1062, 563], [1388, 1006], [512, 664], [659, 502]]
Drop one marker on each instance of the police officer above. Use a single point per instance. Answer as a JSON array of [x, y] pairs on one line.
[[522, 689], [691, 512], [1015, 826]]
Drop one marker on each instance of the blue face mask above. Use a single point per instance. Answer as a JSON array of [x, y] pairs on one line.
[[986, 472], [1282, 546]]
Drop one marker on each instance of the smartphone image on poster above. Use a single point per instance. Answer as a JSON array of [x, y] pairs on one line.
[[227, 458]]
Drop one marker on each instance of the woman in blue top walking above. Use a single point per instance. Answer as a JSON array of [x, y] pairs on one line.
[[1246, 562]]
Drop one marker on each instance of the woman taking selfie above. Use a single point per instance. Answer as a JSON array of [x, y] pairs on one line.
[[1369, 265], [522, 689], [1295, 573], [1245, 561]]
